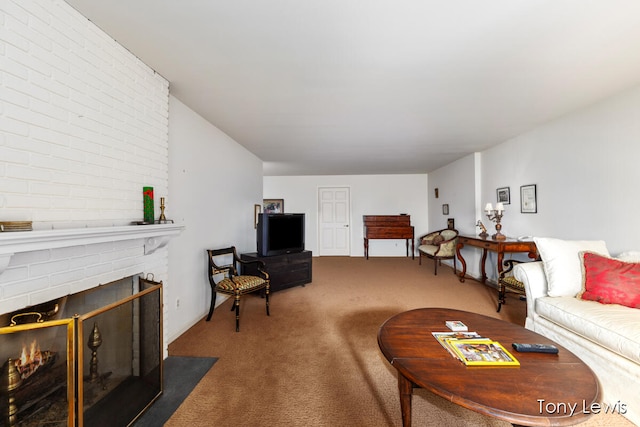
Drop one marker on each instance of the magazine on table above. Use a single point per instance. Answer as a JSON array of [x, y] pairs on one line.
[[444, 337], [482, 352]]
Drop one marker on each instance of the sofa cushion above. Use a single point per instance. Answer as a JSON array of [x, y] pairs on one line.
[[610, 281], [562, 265], [612, 326]]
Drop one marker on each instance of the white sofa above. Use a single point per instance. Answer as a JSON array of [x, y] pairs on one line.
[[605, 336]]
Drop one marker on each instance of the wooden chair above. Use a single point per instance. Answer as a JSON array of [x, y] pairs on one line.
[[223, 267], [439, 245], [506, 282]]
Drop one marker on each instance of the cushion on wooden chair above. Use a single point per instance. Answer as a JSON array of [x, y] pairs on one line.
[[513, 283], [242, 283]]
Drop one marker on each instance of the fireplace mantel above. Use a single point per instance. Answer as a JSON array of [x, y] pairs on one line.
[[155, 235]]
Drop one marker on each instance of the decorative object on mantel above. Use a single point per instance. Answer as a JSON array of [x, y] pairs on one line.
[[495, 215], [163, 219], [483, 230], [147, 197], [162, 207], [16, 226]]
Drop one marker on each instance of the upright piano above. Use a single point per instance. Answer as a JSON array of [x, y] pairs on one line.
[[388, 227]]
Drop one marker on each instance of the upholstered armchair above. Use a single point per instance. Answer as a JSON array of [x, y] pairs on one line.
[[438, 245]]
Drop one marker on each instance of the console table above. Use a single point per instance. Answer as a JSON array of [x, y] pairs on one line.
[[285, 271], [498, 246], [388, 227]]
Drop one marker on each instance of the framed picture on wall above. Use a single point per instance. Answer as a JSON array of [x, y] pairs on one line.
[[273, 205], [445, 209], [528, 199], [257, 209], [451, 223], [503, 195]]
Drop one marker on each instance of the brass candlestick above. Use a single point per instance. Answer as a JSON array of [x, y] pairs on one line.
[[162, 217]]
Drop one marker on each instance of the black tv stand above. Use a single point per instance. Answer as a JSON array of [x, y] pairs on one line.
[[285, 271]]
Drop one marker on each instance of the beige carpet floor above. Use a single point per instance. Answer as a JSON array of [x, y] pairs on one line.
[[315, 361]]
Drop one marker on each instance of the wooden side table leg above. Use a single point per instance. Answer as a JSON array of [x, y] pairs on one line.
[[406, 389], [463, 270], [413, 248], [500, 259], [483, 264]]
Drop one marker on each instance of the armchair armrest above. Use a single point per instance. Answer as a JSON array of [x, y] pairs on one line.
[[510, 264], [447, 247], [532, 275], [260, 265]]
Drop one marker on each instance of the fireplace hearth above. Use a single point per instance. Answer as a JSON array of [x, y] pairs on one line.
[[88, 359]]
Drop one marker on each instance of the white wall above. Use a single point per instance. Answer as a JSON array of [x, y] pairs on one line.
[[214, 183], [585, 166], [457, 186], [370, 195]]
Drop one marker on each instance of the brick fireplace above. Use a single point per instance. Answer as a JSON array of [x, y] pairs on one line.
[[92, 358], [40, 269]]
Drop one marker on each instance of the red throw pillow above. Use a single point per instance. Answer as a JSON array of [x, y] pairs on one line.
[[610, 281]]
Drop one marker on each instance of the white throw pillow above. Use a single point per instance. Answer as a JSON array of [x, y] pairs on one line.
[[630, 256], [562, 265]]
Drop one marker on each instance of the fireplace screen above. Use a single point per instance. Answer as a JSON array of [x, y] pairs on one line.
[[93, 358]]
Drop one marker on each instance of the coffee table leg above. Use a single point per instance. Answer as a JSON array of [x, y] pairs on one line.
[[406, 389]]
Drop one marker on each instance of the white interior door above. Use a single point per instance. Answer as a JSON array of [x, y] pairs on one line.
[[334, 215]]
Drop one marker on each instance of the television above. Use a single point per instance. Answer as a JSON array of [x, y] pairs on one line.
[[280, 233]]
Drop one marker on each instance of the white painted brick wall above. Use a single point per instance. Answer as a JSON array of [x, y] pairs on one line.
[[83, 122], [83, 127]]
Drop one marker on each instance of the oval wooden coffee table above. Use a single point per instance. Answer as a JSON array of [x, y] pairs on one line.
[[545, 390]]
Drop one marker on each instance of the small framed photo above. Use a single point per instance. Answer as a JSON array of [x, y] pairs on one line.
[[503, 195], [273, 205], [451, 223], [445, 209], [528, 199], [257, 209]]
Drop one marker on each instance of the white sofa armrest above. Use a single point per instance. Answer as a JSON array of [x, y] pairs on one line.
[[531, 274]]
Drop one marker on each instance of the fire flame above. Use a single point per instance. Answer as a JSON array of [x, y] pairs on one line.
[[30, 360]]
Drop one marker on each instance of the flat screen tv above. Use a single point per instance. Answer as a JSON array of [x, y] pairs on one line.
[[279, 234]]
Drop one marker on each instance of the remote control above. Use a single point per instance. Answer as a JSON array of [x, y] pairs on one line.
[[535, 348]]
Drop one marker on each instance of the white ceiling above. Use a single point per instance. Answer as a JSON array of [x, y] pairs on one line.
[[335, 87]]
